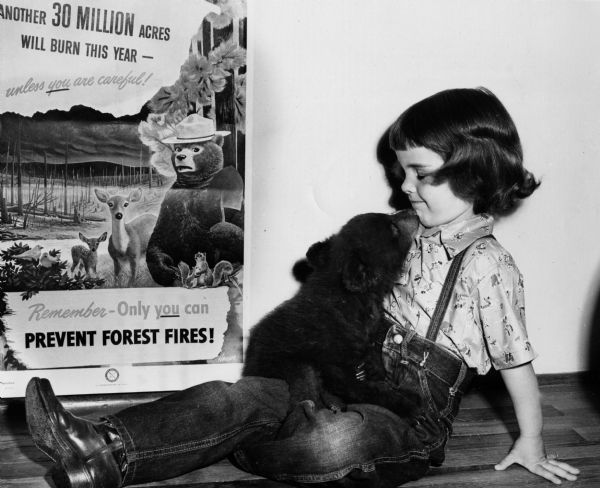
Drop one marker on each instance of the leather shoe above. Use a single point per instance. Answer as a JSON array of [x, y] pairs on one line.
[[83, 456]]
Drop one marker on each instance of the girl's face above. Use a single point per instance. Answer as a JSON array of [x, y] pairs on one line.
[[434, 204]]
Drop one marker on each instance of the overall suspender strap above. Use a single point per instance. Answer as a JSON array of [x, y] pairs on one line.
[[446, 293]]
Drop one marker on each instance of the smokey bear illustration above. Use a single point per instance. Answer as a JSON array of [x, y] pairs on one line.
[[203, 210]]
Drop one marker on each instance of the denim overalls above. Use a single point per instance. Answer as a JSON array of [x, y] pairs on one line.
[[249, 421]]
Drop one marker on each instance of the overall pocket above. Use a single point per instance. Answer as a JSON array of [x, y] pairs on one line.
[[402, 364], [427, 369]]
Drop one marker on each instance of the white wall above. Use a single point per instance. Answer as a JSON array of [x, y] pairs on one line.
[[331, 75]]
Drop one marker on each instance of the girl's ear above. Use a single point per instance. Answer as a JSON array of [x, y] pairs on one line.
[[318, 254], [357, 276]]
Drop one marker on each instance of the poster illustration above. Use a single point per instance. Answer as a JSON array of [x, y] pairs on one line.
[[122, 195]]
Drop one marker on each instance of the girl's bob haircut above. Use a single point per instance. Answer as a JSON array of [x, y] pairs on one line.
[[473, 133]]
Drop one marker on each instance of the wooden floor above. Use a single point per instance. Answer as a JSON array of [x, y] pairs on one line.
[[483, 433]]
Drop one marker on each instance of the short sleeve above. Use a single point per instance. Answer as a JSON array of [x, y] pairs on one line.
[[501, 302]]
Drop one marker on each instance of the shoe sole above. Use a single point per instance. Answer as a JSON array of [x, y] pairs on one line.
[[40, 405]]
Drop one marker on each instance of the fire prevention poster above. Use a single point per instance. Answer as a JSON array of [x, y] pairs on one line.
[[122, 195]]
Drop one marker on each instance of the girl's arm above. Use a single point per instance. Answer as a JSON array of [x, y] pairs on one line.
[[528, 450]]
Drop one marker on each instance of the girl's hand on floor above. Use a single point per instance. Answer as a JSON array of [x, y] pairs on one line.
[[529, 452]]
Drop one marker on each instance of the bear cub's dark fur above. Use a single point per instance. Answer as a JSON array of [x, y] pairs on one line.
[[316, 339]]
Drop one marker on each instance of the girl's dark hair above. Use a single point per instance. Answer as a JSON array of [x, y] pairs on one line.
[[473, 133]]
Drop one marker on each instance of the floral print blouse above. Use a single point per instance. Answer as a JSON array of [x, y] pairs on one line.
[[485, 320]]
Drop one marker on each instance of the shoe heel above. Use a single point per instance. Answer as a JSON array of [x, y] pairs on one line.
[[96, 472], [38, 419], [71, 473]]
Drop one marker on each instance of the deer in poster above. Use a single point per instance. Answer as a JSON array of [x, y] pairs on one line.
[[129, 240]]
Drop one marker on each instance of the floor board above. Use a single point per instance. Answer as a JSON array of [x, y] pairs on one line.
[[483, 434]]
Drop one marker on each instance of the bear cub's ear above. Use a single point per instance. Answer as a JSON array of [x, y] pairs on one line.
[[302, 270], [318, 254], [219, 139]]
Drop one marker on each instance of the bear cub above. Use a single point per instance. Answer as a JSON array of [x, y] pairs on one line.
[[324, 339]]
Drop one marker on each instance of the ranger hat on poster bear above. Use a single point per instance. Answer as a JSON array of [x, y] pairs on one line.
[[203, 210]]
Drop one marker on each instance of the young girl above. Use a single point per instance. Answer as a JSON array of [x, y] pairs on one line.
[[462, 162], [456, 311]]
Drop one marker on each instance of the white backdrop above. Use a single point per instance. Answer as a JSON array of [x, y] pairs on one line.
[[329, 76]]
